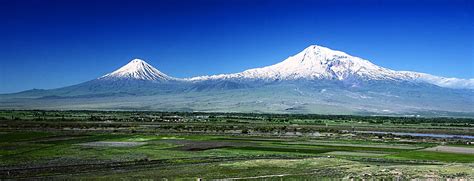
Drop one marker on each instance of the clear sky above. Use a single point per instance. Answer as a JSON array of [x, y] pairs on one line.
[[49, 44]]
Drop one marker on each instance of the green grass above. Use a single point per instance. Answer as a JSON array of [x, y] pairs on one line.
[[284, 149], [290, 169], [434, 156], [345, 148], [10, 137], [42, 149], [39, 148]]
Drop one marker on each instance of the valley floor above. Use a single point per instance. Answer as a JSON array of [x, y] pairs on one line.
[[148, 145]]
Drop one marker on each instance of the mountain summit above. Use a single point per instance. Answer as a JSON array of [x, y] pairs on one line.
[[317, 62], [315, 80], [137, 69], [314, 62], [321, 63]]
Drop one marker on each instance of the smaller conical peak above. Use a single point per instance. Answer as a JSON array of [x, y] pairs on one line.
[[137, 60], [136, 63], [137, 69]]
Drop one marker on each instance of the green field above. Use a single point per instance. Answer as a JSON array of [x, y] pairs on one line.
[[98, 145]]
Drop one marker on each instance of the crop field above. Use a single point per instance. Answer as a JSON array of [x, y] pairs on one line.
[[149, 145]]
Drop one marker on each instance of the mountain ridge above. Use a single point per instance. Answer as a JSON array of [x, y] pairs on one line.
[[316, 80], [321, 66], [313, 63]]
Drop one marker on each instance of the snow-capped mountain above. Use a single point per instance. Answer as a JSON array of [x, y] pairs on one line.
[[137, 69], [317, 62], [313, 63], [316, 80]]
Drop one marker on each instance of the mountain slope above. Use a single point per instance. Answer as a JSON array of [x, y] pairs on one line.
[[321, 63], [137, 69], [316, 80], [136, 78]]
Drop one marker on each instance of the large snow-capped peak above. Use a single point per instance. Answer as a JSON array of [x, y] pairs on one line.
[[317, 62], [314, 62], [138, 69]]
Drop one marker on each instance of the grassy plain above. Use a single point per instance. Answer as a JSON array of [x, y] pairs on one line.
[[98, 145]]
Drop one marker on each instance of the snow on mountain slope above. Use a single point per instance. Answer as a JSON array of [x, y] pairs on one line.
[[454, 83], [317, 62], [137, 70], [313, 63]]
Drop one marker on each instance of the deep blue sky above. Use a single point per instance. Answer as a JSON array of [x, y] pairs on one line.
[[49, 44]]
